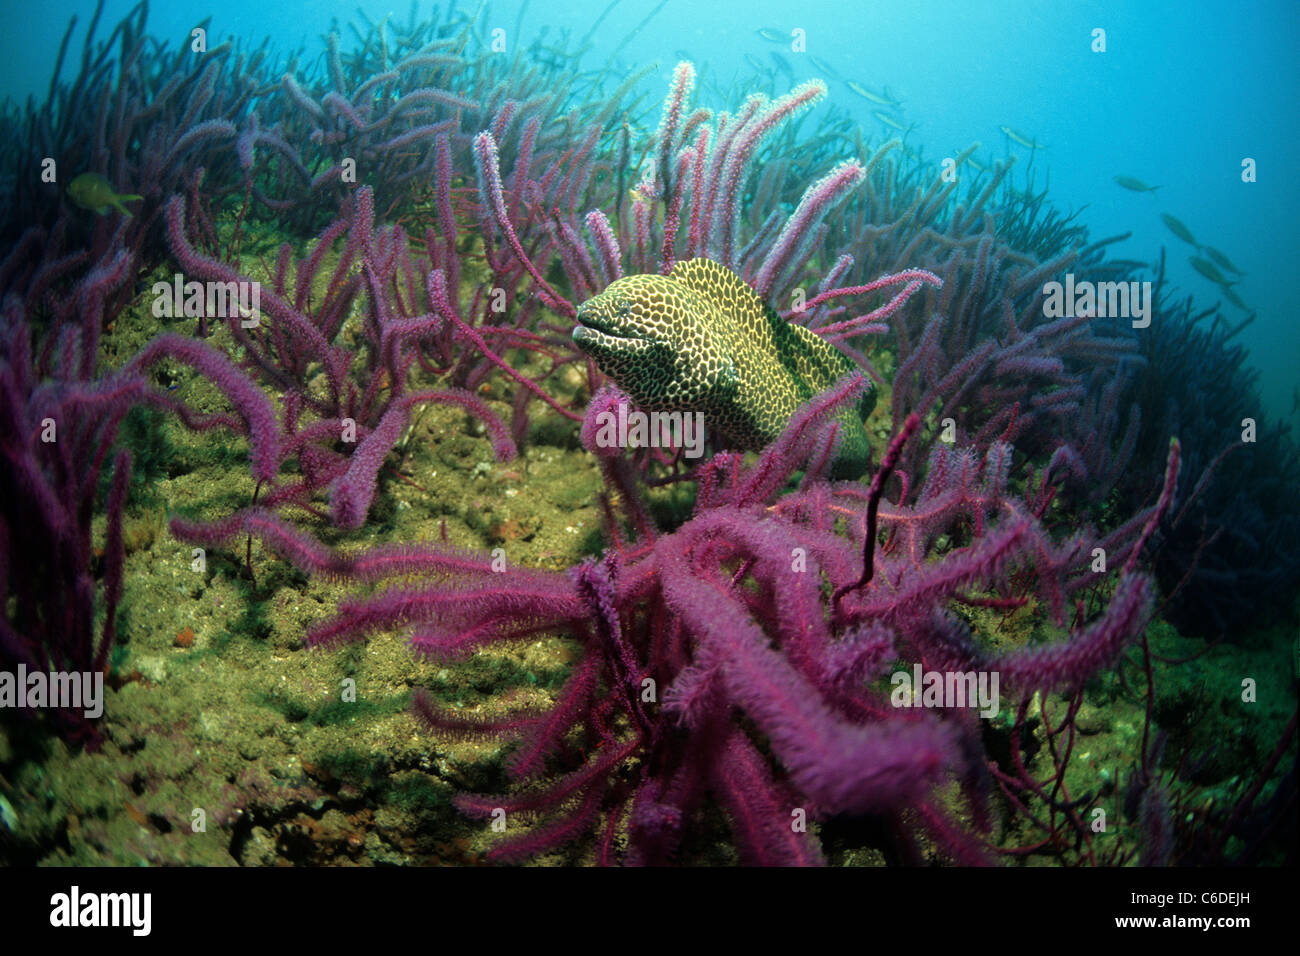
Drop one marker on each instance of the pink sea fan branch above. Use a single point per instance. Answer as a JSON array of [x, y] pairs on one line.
[[251, 404], [608, 254], [489, 170], [817, 199]]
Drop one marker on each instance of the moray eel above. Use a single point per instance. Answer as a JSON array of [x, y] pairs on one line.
[[700, 339]]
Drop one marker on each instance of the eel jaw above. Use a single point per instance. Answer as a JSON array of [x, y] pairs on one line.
[[601, 333], [597, 342], [623, 357]]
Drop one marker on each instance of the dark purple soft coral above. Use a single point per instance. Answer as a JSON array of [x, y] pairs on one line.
[[714, 663], [60, 417]]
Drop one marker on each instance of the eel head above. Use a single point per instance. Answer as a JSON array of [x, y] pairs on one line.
[[656, 338]]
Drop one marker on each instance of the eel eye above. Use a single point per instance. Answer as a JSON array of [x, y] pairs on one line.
[[624, 308]]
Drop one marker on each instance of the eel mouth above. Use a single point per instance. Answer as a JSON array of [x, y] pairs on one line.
[[590, 322], [601, 331]]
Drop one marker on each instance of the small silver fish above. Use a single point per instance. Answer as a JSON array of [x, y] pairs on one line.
[[1016, 137], [1235, 299], [782, 64], [1136, 185], [1221, 260], [1178, 229], [1207, 269], [822, 66], [883, 99], [890, 121]]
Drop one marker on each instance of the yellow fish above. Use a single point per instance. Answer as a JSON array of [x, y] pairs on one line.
[[637, 195], [92, 191]]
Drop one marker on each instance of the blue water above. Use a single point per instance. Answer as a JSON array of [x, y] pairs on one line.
[[1184, 92]]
